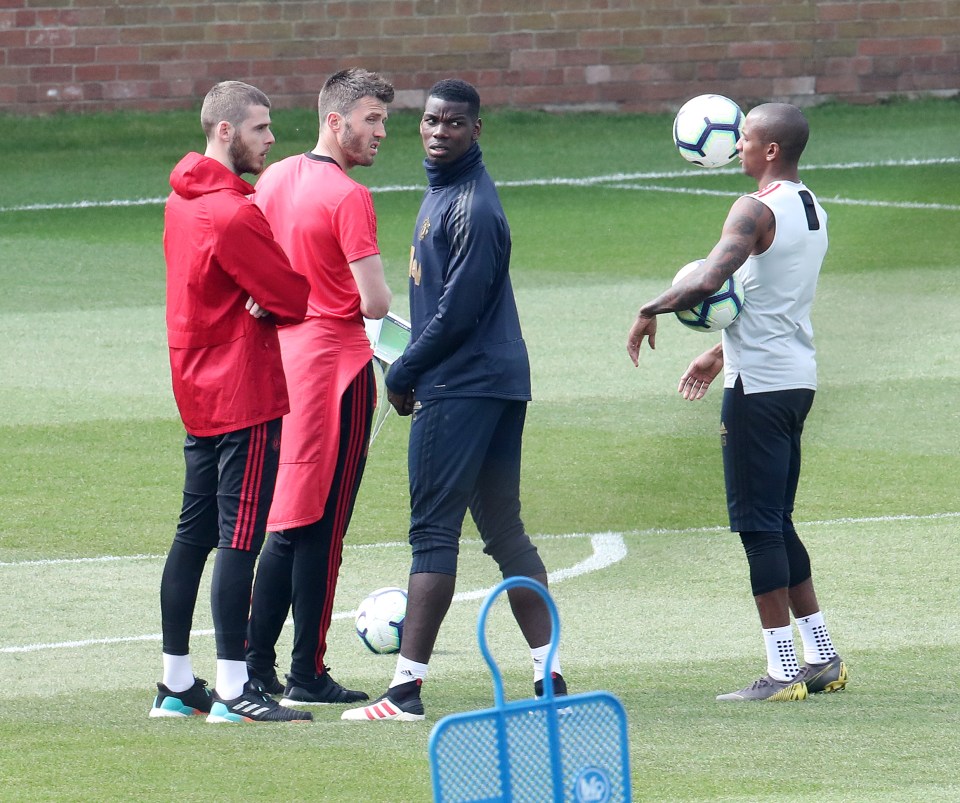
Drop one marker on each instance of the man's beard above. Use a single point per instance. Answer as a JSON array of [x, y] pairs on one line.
[[243, 158], [354, 148]]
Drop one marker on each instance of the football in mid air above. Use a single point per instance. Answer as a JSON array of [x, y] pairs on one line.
[[706, 130]]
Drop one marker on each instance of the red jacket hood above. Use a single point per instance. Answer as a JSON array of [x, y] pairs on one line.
[[196, 174]]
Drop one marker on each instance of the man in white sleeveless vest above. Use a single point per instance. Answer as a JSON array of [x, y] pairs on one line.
[[775, 239]]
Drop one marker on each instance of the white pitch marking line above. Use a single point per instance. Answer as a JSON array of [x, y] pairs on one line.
[[827, 201], [608, 548], [586, 181], [540, 537], [61, 561]]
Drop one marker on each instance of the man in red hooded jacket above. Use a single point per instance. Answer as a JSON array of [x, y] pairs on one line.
[[228, 287]]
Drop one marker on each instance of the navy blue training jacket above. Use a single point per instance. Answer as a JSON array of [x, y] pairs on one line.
[[465, 331]]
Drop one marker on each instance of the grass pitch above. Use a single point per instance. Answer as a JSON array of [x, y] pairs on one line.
[[603, 212]]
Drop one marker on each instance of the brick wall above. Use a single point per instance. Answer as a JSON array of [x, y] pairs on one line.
[[631, 55]]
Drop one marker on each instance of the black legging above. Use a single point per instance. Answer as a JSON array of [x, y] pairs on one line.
[[777, 560], [300, 566]]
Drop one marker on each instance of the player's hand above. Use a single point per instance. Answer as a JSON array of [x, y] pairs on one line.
[[255, 309], [402, 402], [696, 380], [642, 327]]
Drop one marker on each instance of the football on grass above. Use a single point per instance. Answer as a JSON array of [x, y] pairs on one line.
[[714, 313], [706, 130], [380, 620]]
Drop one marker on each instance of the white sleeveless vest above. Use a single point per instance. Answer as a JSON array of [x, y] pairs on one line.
[[770, 346]]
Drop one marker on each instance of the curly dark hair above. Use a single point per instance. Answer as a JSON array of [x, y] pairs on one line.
[[457, 91]]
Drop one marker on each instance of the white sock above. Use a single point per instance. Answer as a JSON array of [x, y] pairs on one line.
[[817, 646], [177, 672], [408, 670], [231, 677], [781, 656], [539, 655]]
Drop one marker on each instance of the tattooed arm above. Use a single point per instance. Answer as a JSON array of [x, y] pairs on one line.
[[748, 229]]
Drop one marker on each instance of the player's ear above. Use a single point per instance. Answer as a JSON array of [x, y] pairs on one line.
[[476, 129], [773, 151], [223, 130]]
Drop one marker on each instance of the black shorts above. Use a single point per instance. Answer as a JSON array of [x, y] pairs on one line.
[[465, 453], [760, 439]]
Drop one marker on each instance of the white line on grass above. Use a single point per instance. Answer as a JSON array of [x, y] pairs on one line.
[[58, 561], [541, 537], [608, 548], [834, 200], [587, 181], [85, 204]]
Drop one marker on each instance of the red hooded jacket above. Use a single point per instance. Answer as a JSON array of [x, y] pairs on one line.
[[220, 251]]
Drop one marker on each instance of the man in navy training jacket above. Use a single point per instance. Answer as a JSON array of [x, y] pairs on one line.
[[465, 378]]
